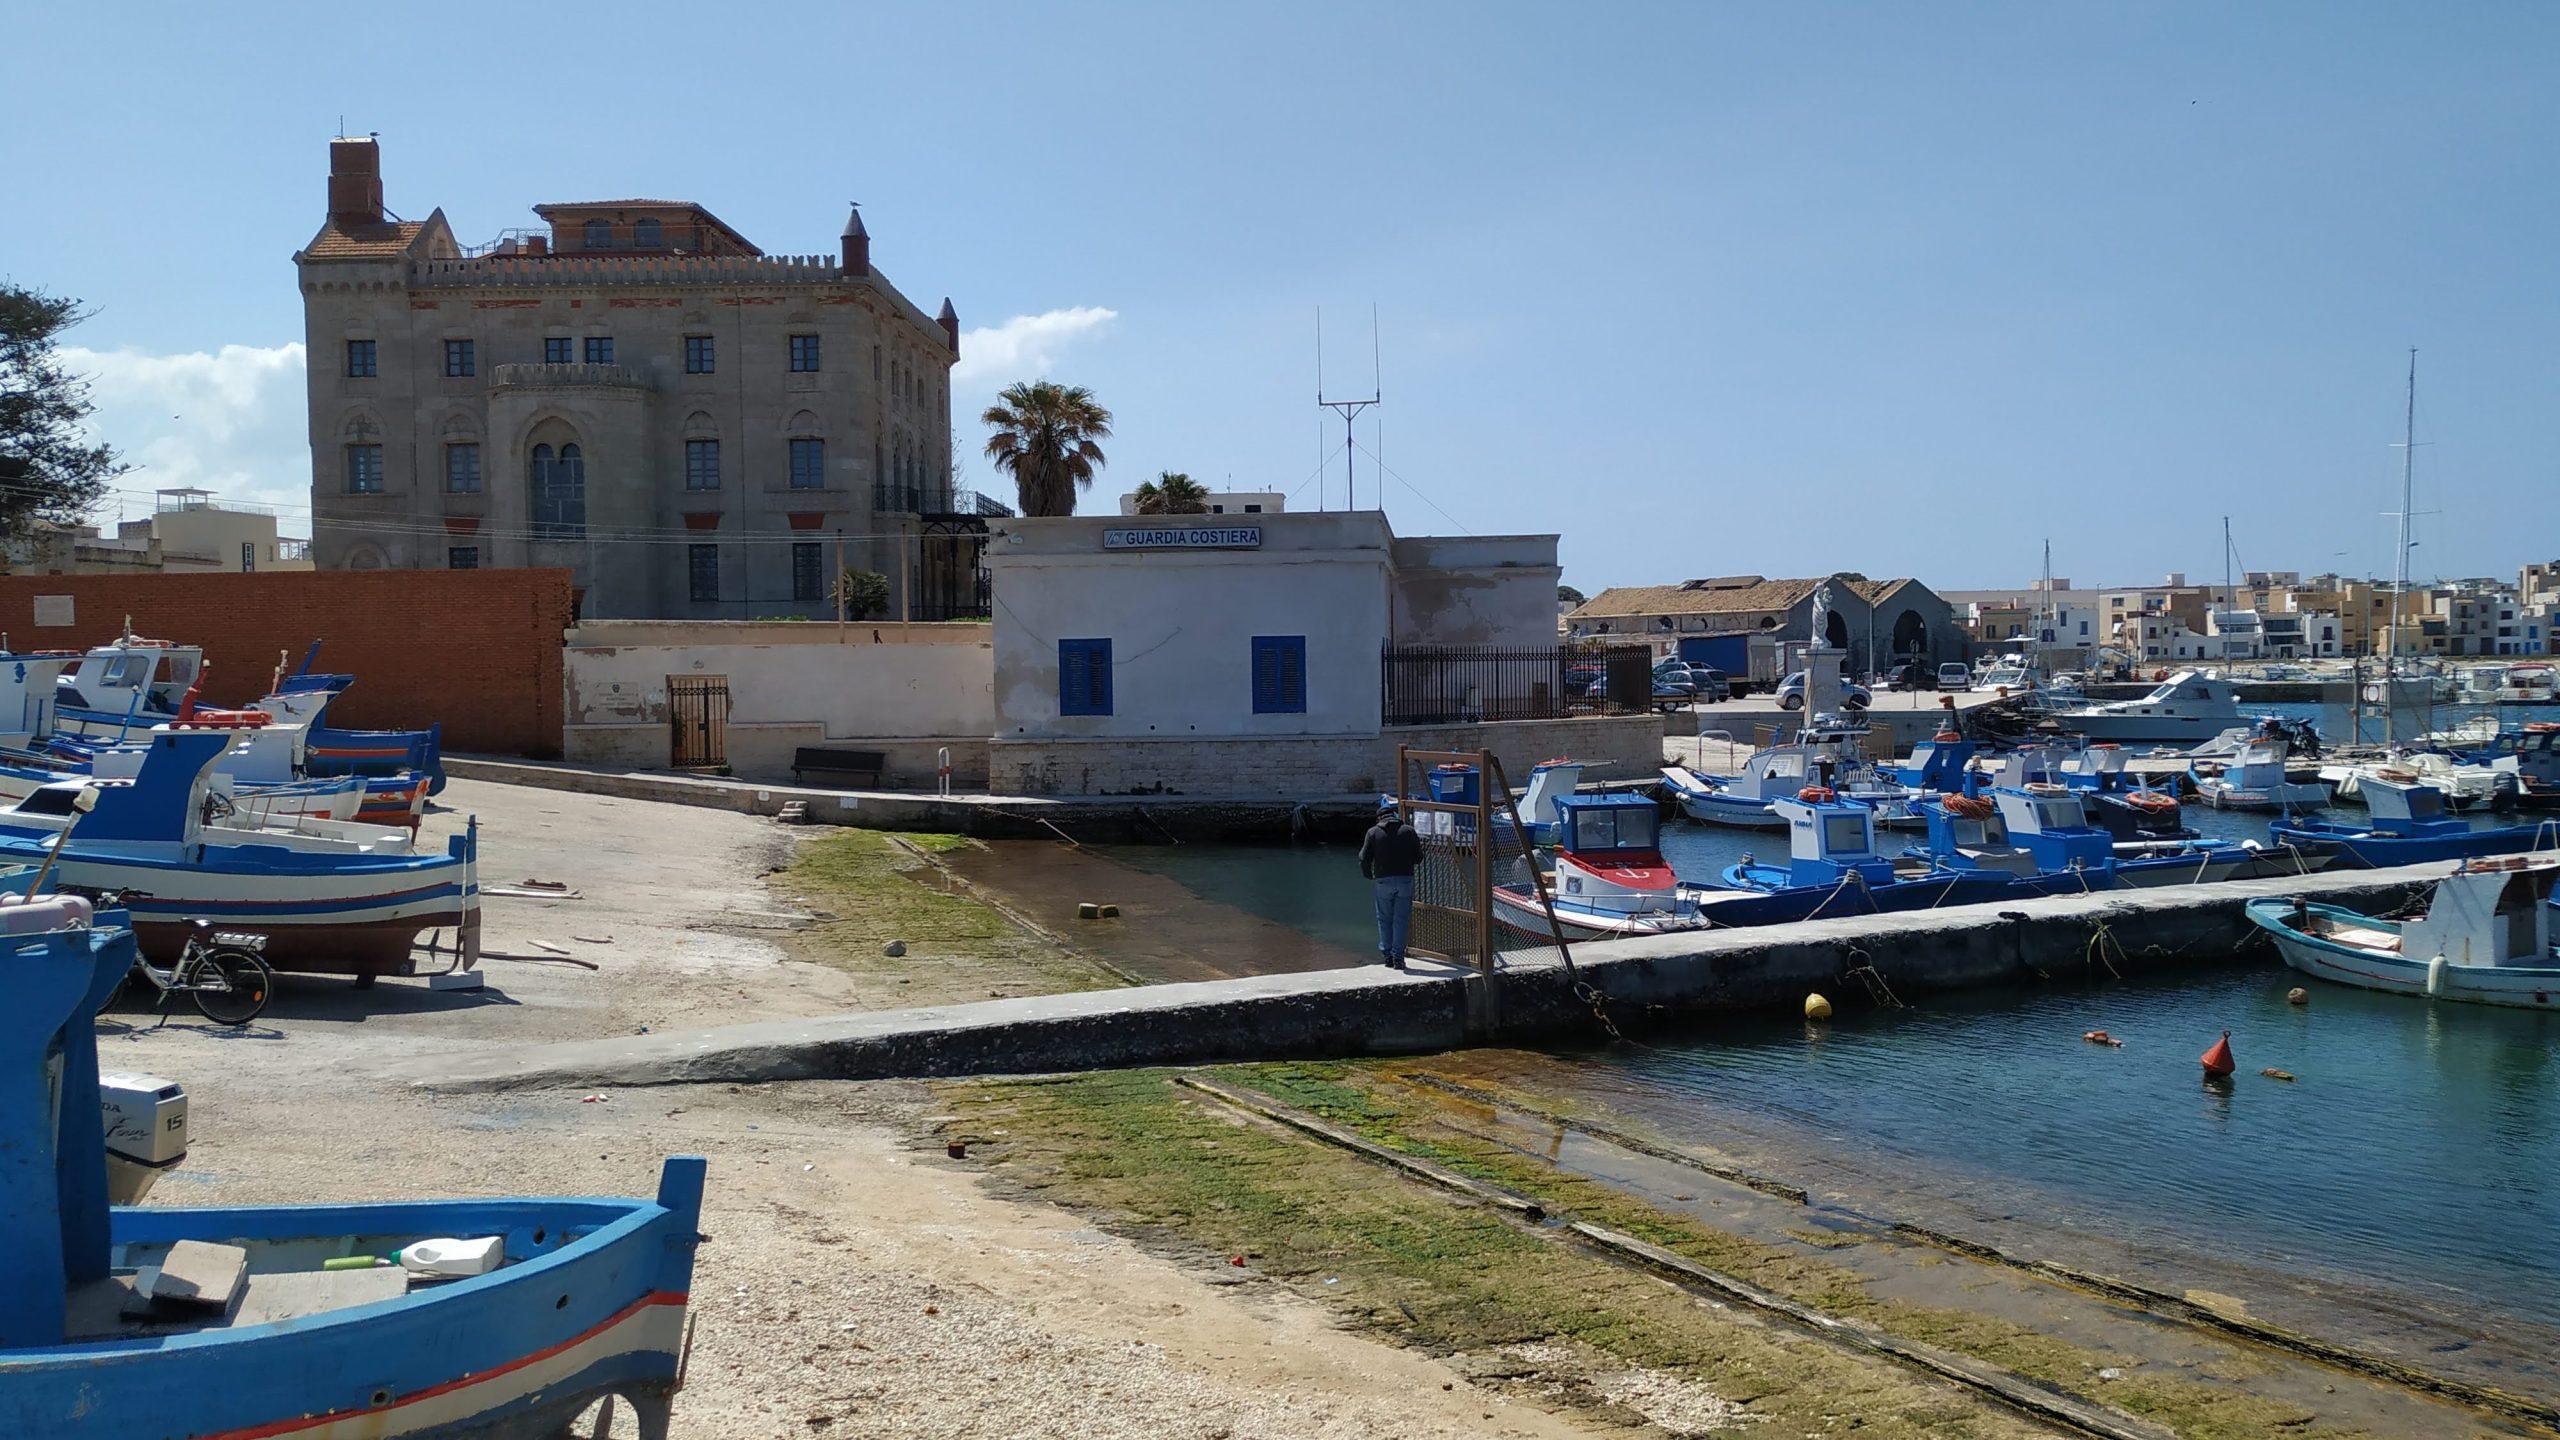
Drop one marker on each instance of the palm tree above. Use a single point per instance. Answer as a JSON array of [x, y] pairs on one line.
[[1044, 437], [1173, 493]]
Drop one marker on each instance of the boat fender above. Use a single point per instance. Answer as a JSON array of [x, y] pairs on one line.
[[2297, 996], [1816, 1007], [2435, 975]]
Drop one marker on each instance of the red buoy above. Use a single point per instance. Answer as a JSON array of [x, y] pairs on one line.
[[2217, 1061]]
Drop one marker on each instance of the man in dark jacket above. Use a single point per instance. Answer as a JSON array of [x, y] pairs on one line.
[[1388, 855]]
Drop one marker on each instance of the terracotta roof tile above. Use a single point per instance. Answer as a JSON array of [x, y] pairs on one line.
[[384, 241], [1729, 595]]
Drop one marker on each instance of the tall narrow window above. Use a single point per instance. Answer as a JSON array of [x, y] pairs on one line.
[[1084, 677], [599, 349], [808, 464], [459, 359], [599, 235], [1279, 674], [804, 352], [462, 469], [462, 557], [360, 359], [557, 484], [555, 349], [364, 469], [702, 568], [807, 566], [702, 464], [697, 355]]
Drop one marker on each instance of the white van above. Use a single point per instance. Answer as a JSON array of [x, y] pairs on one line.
[[1955, 677]]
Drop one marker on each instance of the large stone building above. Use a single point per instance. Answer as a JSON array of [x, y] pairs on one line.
[[635, 392], [1873, 621]]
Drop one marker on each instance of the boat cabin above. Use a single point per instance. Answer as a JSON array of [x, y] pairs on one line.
[[2402, 805], [1937, 763], [2490, 912], [2188, 693], [1828, 841], [133, 675], [29, 687], [2037, 828], [1609, 852]]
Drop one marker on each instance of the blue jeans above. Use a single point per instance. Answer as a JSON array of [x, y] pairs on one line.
[[1395, 915]]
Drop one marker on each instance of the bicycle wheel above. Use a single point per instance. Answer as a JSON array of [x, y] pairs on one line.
[[230, 985]]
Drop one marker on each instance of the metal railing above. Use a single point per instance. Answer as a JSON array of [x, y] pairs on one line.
[[1464, 684]]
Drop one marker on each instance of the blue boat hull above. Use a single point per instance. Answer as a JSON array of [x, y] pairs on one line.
[[595, 1306], [2356, 847]]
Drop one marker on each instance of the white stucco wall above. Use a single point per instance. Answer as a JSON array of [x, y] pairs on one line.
[[1181, 624], [1476, 590], [863, 682]]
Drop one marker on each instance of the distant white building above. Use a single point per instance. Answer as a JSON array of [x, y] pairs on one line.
[[197, 532], [1227, 502], [1251, 653]]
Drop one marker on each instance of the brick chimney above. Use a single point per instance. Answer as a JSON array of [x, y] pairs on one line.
[[355, 181], [857, 245], [949, 320]]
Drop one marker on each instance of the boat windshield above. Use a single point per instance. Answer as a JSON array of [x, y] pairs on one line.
[[1616, 827]]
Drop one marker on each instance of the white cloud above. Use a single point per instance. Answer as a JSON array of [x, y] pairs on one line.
[[1023, 347], [233, 422]]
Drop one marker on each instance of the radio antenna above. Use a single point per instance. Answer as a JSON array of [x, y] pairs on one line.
[[1349, 409]]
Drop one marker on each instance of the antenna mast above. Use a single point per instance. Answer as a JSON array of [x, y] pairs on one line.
[[2400, 569], [1349, 409]]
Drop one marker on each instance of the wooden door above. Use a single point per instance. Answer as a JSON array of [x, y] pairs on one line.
[[698, 717]]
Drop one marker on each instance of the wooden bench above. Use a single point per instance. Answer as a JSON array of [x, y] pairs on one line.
[[861, 765]]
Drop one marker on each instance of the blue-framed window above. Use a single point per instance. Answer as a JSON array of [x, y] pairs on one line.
[[804, 352], [808, 464], [599, 349], [698, 356], [1084, 677], [1279, 674], [462, 468], [364, 469], [459, 359], [360, 360], [555, 350], [702, 464], [702, 572]]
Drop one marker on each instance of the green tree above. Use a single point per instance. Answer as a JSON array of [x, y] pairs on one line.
[[1566, 594], [865, 594], [1173, 493], [48, 470], [1045, 436]]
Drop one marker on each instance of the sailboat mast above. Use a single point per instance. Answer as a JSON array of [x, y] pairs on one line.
[[2400, 568]]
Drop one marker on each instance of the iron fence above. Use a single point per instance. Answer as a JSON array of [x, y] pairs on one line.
[[1463, 684]]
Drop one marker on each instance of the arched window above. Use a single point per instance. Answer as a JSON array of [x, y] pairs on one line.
[[648, 234], [557, 487], [599, 235]]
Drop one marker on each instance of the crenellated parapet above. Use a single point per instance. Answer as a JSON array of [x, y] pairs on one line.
[[548, 271]]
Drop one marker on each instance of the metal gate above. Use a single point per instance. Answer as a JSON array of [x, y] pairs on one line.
[[698, 721]]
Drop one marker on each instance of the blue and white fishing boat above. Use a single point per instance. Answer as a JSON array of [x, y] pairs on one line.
[[1937, 764], [1834, 868], [306, 696], [2485, 938], [1549, 780], [2407, 824], [348, 899], [1608, 879], [2532, 755], [1827, 754], [2255, 779], [587, 1298], [126, 684], [2040, 835]]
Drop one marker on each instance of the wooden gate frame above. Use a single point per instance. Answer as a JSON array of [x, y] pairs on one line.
[[1490, 782]]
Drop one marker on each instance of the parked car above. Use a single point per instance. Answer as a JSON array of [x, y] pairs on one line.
[[1952, 676], [1674, 687], [1711, 684], [1791, 694], [1909, 675]]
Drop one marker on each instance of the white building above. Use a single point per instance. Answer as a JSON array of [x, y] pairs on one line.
[[1248, 654], [198, 532]]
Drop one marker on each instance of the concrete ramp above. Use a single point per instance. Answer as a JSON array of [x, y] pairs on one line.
[[1329, 1014]]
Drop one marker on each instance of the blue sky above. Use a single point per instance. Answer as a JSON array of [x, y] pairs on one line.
[[1707, 289]]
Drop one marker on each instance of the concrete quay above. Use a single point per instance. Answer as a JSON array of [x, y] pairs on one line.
[[1372, 1011]]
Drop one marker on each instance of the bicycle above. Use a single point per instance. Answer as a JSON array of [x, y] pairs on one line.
[[222, 972]]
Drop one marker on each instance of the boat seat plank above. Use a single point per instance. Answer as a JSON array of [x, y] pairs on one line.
[[291, 1294], [2362, 936]]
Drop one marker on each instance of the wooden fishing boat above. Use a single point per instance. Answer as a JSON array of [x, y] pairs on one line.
[[587, 1298], [2485, 938], [1608, 880]]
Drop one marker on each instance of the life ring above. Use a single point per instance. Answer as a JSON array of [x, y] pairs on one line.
[[2045, 788], [1945, 737], [2396, 775], [1968, 807], [2106, 745], [2542, 727], [2152, 802], [1817, 795], [1558, 760]]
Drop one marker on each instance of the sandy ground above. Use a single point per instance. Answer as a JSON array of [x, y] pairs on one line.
[[852, 1284]]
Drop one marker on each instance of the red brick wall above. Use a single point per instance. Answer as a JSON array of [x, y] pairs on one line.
[[475, 650]]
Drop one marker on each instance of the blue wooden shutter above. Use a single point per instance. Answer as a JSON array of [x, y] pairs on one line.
[[1279, 674]]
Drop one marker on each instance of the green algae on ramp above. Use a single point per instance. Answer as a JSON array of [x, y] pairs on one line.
[[869, 889]]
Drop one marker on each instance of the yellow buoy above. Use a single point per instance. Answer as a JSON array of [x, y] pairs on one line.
[[2297, 996], [1816, 1008]]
